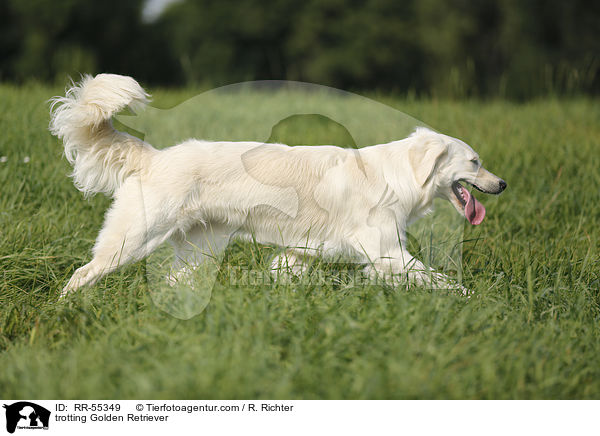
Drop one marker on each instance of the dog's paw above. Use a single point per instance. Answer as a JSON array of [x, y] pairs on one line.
[[441, 281], [437, 281], [461, 290], [86, 275], [72, 284]]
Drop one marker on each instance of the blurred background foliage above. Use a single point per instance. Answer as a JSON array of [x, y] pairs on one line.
[[437, 48]]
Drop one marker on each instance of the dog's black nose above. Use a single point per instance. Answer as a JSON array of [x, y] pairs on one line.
[[502, 185]]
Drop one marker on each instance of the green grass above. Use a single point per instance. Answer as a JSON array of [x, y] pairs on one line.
[[531, 330]]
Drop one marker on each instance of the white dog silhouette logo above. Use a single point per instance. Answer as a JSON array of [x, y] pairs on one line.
[[26, 415]]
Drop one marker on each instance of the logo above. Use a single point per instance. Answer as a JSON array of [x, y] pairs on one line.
[[26, 415]]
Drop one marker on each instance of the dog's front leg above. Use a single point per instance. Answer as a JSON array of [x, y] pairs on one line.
[[425, 277], [382, 241], [400, 268], [393, 265]]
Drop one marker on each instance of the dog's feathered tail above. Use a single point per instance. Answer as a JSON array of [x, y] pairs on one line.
[[102, 157]]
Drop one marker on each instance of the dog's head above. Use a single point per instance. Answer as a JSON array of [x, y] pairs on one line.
[[443, 164]]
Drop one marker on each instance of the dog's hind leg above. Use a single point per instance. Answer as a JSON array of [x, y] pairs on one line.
[[199, 245], [290, 263], [132, 229]]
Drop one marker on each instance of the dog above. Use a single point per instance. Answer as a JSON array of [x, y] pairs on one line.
[[197, 194]]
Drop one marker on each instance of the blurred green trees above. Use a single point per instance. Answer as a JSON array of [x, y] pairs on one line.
[[448, 48]]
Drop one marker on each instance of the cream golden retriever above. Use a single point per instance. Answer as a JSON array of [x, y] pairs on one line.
[[197, 194]]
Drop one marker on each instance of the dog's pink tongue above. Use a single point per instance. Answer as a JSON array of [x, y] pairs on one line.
[[474, 210]]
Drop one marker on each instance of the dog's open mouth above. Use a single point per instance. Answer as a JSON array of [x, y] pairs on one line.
[[473, 210]]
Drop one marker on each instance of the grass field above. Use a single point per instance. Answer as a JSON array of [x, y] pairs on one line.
[[530, 331]]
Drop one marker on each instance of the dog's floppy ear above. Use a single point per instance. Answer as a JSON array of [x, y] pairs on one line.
[[423, 157]]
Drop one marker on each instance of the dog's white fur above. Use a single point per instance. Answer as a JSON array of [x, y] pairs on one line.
[[198, 193]]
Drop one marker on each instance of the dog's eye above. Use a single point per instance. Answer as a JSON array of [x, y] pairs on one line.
[[475, 161]]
